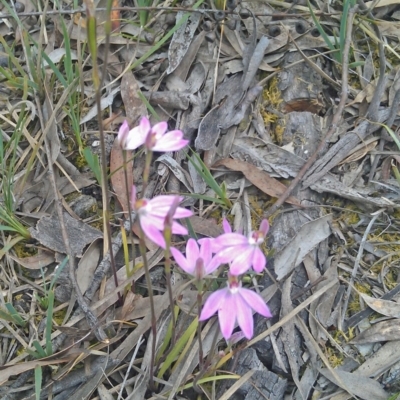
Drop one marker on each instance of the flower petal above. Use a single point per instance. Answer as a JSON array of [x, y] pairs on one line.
[[212, 304], [231, 239], [152, 232], [192, 252], [264, 226], [205, 251], [178, 229], [171, 141], [137, 136], [182, 213], [244, 316], [123, 133], [258, 260], [226, 315], [242, 262], [159, 129], [255, 301], [226, 226], [181, 260]]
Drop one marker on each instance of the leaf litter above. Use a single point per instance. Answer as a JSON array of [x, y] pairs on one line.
[[256, 99]]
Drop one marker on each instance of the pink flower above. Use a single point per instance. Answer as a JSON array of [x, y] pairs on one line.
[[198, 259], [243, 252], [234, 303], [152, 214], [154, 138]]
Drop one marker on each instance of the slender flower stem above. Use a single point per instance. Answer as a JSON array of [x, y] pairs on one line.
[[167, 267], [142, 247], [199, 305], [127, 189], [146, 172]]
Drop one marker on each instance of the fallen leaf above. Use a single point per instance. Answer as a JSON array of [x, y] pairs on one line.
[[360, 386], [306, 239], [48, 233], [38, 261], [381, 332], [384, 307], [118, 179], [134, 106], [258, 178], [87, 266]]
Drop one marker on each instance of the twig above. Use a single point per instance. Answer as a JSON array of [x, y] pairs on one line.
[[357, 263], [335, 120]]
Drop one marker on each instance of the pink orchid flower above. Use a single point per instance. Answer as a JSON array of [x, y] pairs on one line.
[[152, 214], [198, 259], [241, 251], [156, 138], [234, 303]]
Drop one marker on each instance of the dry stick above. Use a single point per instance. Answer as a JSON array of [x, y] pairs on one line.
[[335, 120], [357, 264]]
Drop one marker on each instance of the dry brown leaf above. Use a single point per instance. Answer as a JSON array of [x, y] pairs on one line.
[[87, 265], [384, 307], [7, 371], [48, 233], [118, 172], [381, 332], [258, 178], [205, 226], [38, 261], [134, 106]]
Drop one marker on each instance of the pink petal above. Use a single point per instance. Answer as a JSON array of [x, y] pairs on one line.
[[182, 261], [213, 265], [171, 141], [226, 226], [159, 130], [255, 301], [123, 133], [192, 252], [231, 239], [230, 253], [205, 252], [244, 316], [135, 139], [163, 202], [264, 226], [182, 213], [242, 262], [226, 316], [178, 229], [152, 232], [258, 260], [212, 304]]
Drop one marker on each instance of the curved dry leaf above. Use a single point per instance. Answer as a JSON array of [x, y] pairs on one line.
[[381, 332], [117, 171], [306, 239], [134, 106], [48, 233], [182, 39], [38, 261], [384, 307], [360, 386], [258, 178], [87, 266]]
